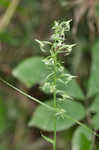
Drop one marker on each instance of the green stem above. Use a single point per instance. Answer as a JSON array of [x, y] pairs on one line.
[[29, 96], [54, 145], [54, 96]]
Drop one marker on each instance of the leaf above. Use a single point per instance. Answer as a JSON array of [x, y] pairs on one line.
[[93, 85], [3, 122], [47, 139], [95, 109], [95, 121], [31, 71], [81, 139], [95, 106], [72, 89], [43, 118]]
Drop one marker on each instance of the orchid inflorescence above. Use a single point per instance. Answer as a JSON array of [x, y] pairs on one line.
[[56, 45]]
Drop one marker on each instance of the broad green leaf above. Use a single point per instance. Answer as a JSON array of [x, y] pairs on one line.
[[47, 139], [72, 89], [43, 118], [31, 71], [2, 117], [93, 85], [81, 139], [95, 121]]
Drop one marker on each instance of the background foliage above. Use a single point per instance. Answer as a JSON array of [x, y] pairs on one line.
[[21, 65]]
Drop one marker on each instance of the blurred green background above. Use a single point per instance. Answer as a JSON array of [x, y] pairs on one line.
[[23, 21]]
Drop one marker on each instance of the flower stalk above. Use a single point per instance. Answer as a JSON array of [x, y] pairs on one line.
[[57, 75]]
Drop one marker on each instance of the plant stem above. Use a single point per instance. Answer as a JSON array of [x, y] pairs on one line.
[[54, 145], [54, 96], [29, 96]]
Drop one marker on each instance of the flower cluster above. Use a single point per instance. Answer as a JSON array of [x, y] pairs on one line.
[[57, 73]]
